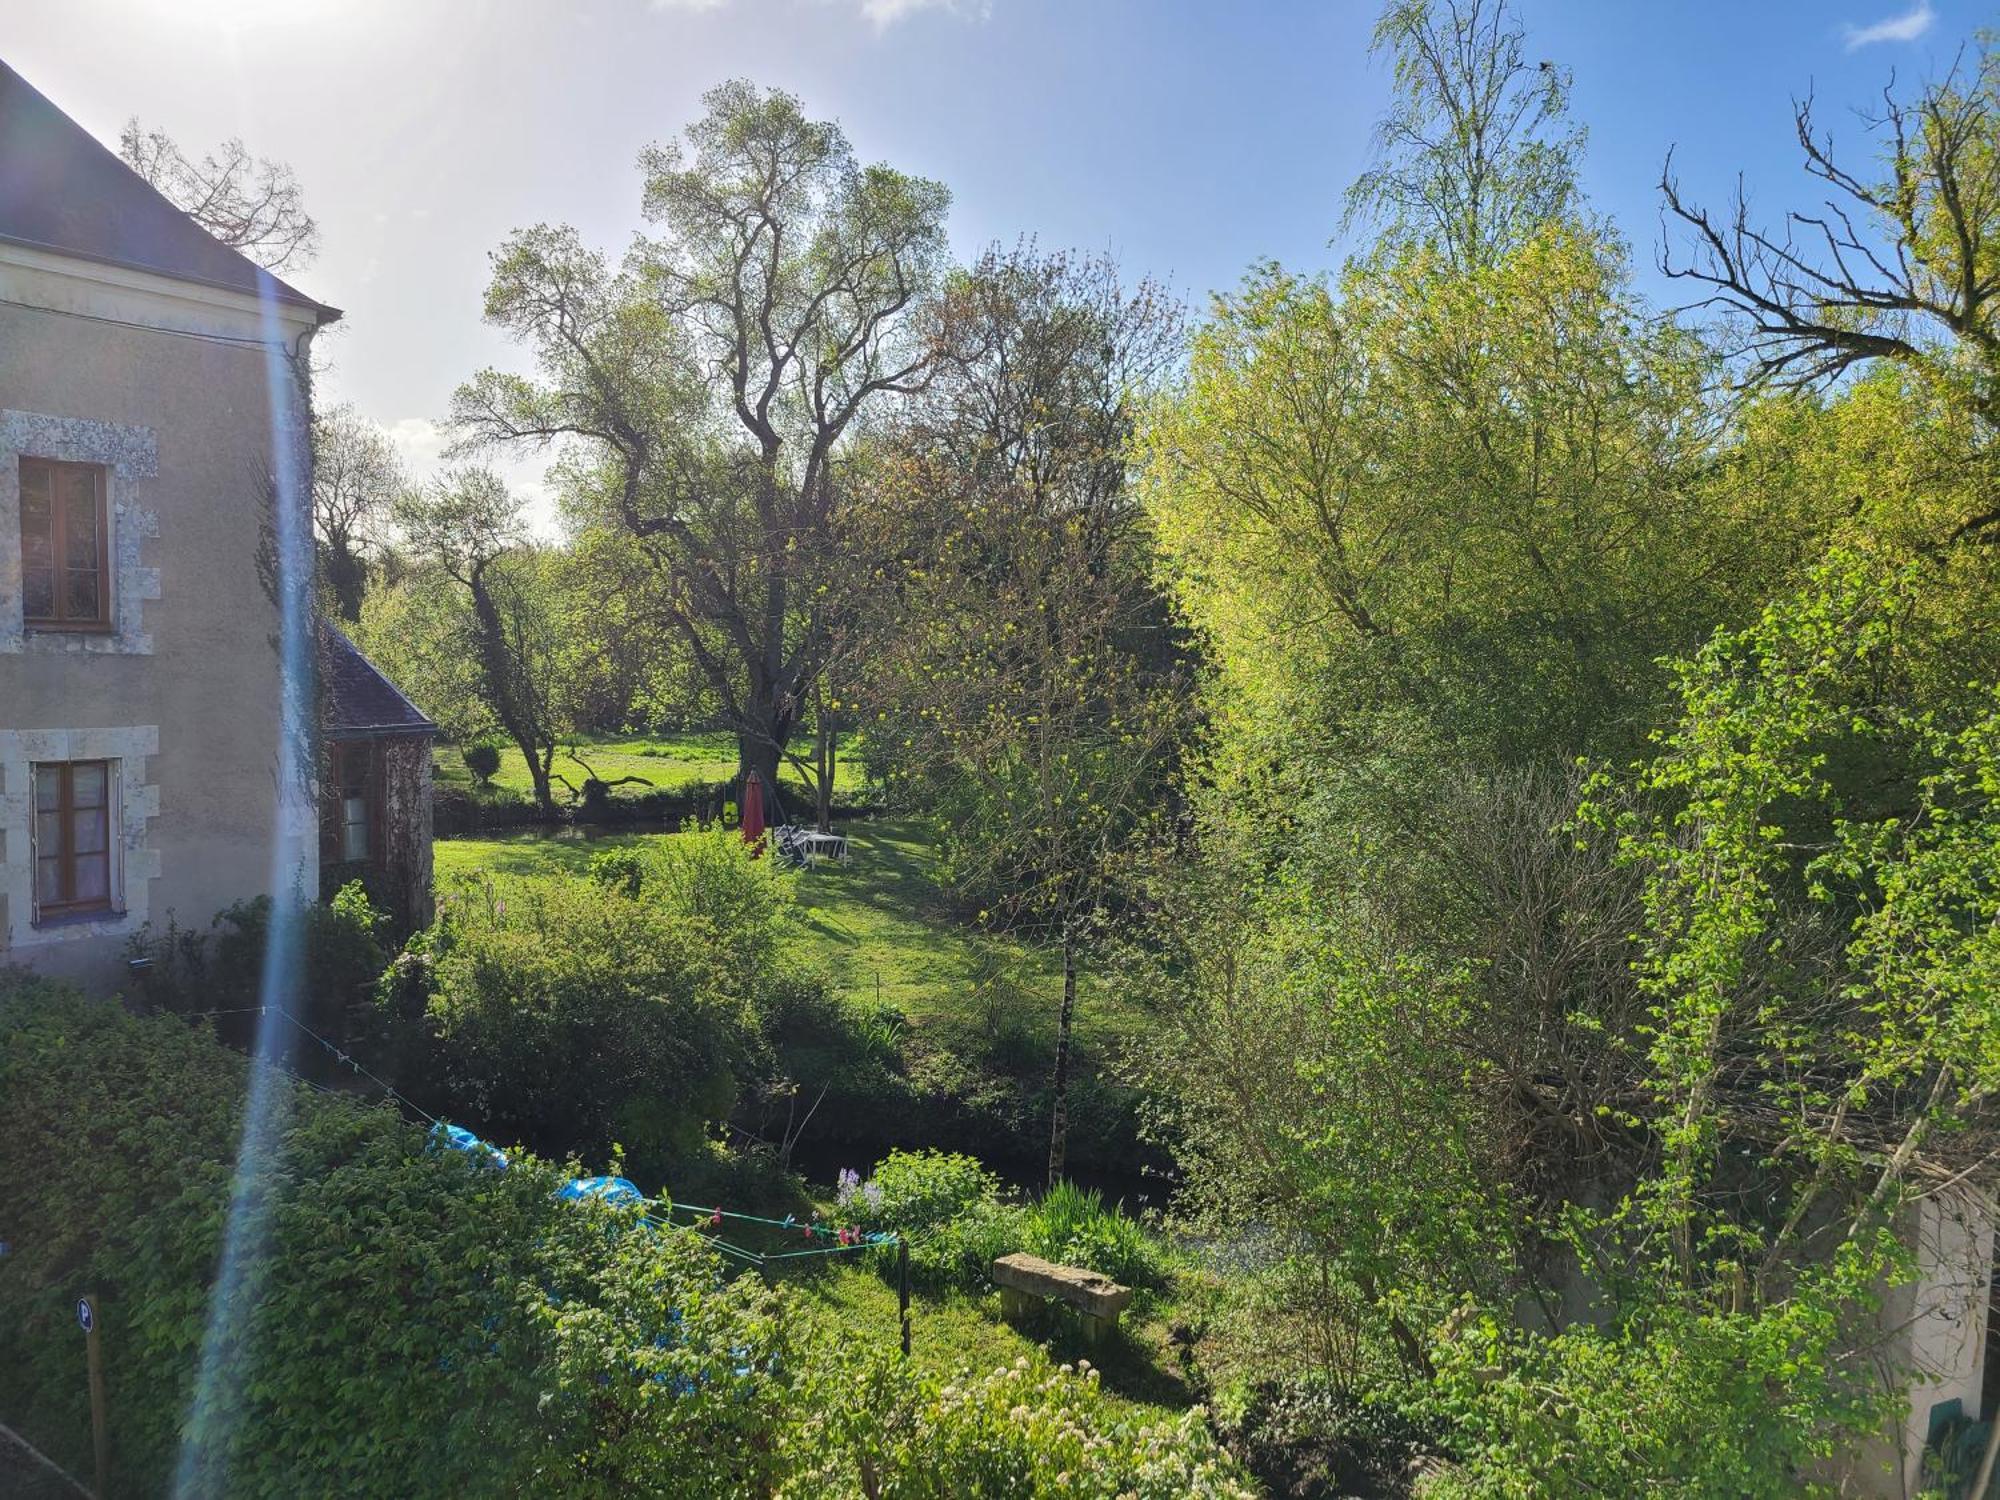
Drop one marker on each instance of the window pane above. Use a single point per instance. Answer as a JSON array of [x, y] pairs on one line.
[[354, 827], [87, 783], [34, 484], [48, 788], [48, 881], [37, 520], [38, 593], [48, 834], [88, 829], [80, 518], [82, 598], [93, 878]]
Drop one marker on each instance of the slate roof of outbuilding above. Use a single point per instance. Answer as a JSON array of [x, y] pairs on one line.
[[359, 702], [61, 189]]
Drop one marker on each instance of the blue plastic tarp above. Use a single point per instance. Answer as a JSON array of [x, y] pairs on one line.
[[460, 1139], [604, 1189]]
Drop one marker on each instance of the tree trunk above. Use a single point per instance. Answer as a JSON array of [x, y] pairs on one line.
[[1059, 1129], [823, 760], [494, 667]]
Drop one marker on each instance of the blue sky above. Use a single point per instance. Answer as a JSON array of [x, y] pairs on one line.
[[1190, 139]]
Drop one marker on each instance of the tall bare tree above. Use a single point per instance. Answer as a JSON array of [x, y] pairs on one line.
[[711, 387], [357, 477], [1901, 262], [252, 204]]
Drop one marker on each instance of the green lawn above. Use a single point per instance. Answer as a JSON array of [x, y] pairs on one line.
[[974, 1014], [667, 762], [876, 923]]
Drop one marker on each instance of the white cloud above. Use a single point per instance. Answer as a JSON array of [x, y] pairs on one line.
[[1907, 27], [694, 5]]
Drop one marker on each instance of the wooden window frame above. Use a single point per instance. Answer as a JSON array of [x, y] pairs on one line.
[[68, 908], [103, 621]]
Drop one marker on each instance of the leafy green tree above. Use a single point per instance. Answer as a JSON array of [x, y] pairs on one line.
[[1027, 678], [468, 527], [709, 391], [1475, 153], [1460, 510]]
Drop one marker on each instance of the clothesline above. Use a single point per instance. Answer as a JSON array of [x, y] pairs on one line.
[[617, 1189]]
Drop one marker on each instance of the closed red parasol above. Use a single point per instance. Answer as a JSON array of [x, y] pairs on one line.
[[753, 809]]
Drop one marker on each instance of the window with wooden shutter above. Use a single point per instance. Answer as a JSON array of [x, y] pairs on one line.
[[75, 868], [65, 546]]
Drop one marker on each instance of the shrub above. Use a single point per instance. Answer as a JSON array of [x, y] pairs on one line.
[[223, 969], [417, 1324], [620, 870], [712, 876], [1071, 1226], [919, 1192], [483, 761], [948, 1207], [1028, 1428], [571, 1017]]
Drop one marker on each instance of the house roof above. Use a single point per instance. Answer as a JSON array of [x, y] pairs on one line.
[[63, 190], [360, 703]]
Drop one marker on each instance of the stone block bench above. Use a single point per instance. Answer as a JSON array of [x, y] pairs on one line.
[[1026, 1279]]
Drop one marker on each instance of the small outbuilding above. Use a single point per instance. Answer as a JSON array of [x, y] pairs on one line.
[[375, 783]]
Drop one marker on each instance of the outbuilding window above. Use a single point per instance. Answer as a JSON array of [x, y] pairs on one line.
[[65, 546], [75, 873]]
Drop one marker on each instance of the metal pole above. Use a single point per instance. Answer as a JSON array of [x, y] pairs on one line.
[[903, 1289], [100, 1431]]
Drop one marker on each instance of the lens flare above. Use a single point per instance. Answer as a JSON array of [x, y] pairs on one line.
[[217, 1405]]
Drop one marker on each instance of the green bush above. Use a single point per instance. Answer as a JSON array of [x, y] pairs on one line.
[[1024, 1429], [712, 876], [412, 1323], [188, 971], [482, 759], [1071, 1226], [571, 1017], [948, 1206]]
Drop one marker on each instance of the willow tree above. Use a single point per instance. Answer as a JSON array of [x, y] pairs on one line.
[[709, 388]]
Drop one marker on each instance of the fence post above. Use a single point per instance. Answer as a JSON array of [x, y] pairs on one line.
[[100, 1432], [903, 1289]]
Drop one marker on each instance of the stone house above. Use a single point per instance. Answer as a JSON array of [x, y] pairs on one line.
[[156, 754]]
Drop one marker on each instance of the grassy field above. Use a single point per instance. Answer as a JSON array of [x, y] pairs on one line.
[[975, 1013], [667, 762], [875, 923]]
